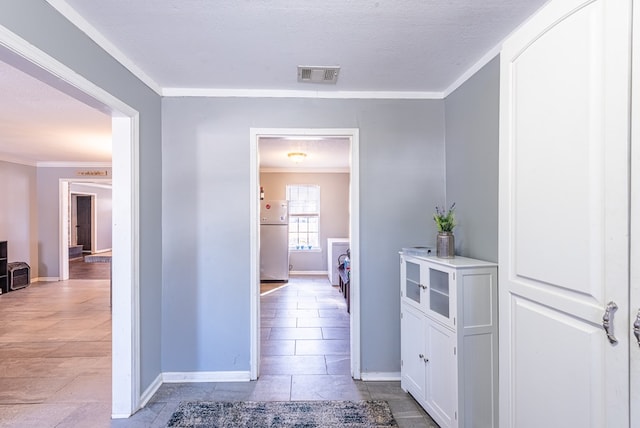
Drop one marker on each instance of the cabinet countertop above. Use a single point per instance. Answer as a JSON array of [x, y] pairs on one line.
[[456, 262]]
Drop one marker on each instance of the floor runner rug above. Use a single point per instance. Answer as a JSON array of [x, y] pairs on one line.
[[283, 414]]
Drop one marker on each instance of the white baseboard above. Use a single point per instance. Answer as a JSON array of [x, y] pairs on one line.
[[152, 389], [177, 377], [185, 377], [106, 250], [237, 376], [380, 376], [46, 279], [308, 272]]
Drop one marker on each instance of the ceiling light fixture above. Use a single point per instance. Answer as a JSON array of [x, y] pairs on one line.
[[297, 157]]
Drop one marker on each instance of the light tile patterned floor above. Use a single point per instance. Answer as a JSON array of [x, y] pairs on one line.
[[55, 345]]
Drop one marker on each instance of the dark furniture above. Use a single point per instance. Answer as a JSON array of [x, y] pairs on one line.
[[345, 277], [19, 275], [75, 252], [4, 278]]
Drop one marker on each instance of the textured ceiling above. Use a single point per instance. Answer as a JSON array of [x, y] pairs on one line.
[[384, 45], [410, 46]]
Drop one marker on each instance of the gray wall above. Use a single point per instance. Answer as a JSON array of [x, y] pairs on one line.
[[18, 213], [206, 287], [103, 212], [39, 24], [334, 211], [472, 113]]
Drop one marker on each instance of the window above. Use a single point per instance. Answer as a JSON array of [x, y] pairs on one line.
[[304, 216]]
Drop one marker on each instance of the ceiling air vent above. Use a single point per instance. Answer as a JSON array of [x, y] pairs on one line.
[[318, 74]]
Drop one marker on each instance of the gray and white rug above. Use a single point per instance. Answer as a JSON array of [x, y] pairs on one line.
[[283, 414]]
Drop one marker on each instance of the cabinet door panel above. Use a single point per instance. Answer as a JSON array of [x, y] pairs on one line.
[[412, 339], [413, 280], [442, 379], [442, 291]]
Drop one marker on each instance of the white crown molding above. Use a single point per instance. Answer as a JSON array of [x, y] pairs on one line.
[[94, 185], [282, 93], [73, 165], [484, 60], [332, 170], [17, 160], [52, 164], [76, 19]]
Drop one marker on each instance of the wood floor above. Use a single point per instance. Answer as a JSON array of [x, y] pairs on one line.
[[55, 355], [79, 269], [55, 358]]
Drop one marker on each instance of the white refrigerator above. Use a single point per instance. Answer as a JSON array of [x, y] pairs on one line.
[[274, 241]]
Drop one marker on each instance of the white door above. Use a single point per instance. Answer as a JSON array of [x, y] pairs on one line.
[[635, 226], [563, 205]]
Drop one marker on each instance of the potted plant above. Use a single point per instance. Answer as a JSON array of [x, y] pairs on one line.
[[445, 222]]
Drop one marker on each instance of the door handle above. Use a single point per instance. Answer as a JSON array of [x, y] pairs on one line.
[[636, 327], [607, 321]]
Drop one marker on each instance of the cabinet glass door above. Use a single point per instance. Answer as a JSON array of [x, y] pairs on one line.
[[439, 292], [412, 281]]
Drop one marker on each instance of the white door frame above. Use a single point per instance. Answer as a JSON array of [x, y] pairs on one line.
[[65, 222], [634, 292], [125, 134], [354, 227]]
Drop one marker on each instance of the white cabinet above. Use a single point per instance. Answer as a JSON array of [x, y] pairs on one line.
[[335, 248], [449, 338]]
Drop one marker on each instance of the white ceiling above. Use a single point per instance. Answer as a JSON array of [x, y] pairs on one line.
[[413, 48], [322, 154], [41, 124]]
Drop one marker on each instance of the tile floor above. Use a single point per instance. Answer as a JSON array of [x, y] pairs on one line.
[[55, 349]]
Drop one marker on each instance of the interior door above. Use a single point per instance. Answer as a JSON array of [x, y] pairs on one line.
[[564, 215], [634, 306], [83, 218]]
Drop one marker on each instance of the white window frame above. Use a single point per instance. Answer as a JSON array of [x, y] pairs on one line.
[[309, 215]]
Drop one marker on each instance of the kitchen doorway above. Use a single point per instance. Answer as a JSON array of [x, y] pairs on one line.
[[352, 135]]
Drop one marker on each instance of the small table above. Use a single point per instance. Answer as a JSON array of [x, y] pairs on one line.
[[345, 279]]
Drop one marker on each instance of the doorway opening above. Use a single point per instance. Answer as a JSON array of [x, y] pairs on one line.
[[98, 195], [82, 222], [125, 137], [351, 136]]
